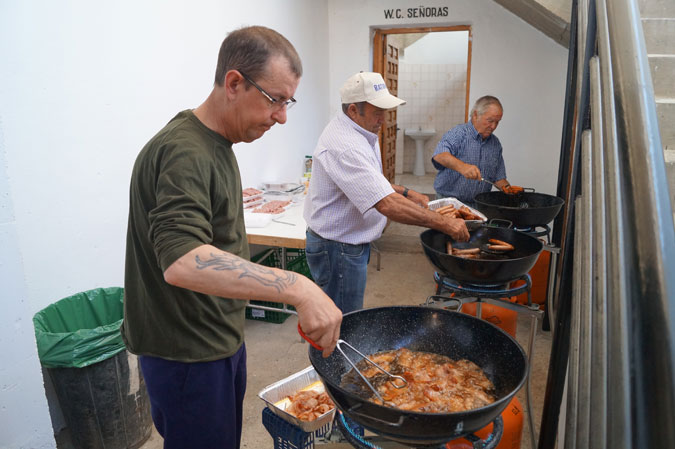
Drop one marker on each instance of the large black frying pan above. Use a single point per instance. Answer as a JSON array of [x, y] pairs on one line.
[[525, 209], [489, 269], [437, 331]]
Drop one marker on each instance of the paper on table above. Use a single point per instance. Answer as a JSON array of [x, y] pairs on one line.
[[257, 220]]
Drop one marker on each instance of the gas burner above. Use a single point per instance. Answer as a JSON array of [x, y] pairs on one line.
[[352, 432], [344, 429], [483, 290], [537, 231]]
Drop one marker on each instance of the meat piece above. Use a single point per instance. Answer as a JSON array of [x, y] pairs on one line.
[[273, 207], [469, 256], [458, 251], [250, 191], [468, 214], [435, 383], [446, 209], [251, 204], [308, 405], [513, 190], [496, 242], [500, 247]]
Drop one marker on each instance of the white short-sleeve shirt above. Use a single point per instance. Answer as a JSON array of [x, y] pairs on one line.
[[346, 183]]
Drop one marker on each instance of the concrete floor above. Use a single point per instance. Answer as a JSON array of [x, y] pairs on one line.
[[275, 351]]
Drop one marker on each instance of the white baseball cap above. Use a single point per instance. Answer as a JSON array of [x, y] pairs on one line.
[[370, 87]]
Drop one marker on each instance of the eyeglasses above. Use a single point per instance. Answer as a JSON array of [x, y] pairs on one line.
[[277, 104]]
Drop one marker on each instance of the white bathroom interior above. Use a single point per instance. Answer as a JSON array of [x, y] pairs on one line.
[[432, 78]]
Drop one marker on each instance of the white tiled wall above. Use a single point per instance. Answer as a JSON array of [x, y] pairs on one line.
[[435, 96]]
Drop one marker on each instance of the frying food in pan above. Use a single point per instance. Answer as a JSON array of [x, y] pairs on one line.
[[500, 245], [494, 247], [435, 383], [513, 190], [467, 253]]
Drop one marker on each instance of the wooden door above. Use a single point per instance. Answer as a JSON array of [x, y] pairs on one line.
[[388, 68]]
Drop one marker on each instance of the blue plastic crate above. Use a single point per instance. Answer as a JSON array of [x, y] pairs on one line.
[[288, 436]]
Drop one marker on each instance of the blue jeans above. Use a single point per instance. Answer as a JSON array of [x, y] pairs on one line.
[[340, 269], [197, 405]]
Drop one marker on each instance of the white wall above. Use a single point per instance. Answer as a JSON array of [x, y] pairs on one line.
[[510, 59], [24, 418], [445, 47], [83, 85]]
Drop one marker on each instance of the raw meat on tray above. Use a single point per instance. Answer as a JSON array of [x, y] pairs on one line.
[[250, 191], [273, 207]]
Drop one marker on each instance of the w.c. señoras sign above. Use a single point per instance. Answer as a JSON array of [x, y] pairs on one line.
[[421, 11]]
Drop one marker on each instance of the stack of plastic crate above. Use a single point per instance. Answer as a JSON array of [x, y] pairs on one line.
[[296, 261]]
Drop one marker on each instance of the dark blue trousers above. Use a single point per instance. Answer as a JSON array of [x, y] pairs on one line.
[[197, 405]]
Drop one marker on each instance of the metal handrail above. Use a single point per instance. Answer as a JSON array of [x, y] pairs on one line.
[[598, 324], [621, 325], [585, 280], [618, 429], [649, 221]]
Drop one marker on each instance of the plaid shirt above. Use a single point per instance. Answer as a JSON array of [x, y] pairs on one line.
[[346, 183], [464, 143]]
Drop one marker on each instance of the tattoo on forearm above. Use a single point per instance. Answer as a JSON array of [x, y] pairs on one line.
[[259, 273]]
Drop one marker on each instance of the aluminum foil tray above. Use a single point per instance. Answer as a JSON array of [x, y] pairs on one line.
[[283, 187], [274, 396], [470, 224]]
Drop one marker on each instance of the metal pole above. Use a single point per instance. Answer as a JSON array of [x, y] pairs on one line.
[[598, 356], [649, 223], [618, 376], [575, 318], [586, 239]]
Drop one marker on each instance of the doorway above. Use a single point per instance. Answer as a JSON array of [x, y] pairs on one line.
[[431, 70]]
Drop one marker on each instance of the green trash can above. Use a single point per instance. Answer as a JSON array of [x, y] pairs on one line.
[[99, 383]]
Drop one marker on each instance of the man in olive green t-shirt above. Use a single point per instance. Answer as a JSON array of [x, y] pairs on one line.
[[187, 274]]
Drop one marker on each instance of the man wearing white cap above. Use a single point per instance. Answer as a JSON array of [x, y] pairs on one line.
[[349, 199]]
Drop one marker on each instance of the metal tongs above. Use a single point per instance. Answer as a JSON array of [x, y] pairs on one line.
[[341, 342], [490, 182]]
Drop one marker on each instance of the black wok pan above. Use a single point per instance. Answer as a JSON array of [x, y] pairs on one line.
[[438, 331], [487, 270], [523, 210]]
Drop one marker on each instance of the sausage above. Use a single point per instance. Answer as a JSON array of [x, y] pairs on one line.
[[469, 256], [445, 208], [498, 242], [457, 251], [500, 247], [448, 247], [501, 243], [452, 213]]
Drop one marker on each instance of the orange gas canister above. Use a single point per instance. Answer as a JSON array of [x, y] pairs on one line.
[[513, 429], [503, 318], [539, 276]]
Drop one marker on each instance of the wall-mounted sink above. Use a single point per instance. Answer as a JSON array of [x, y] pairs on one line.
[[420, 135]]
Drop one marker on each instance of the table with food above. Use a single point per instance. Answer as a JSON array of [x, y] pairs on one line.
[[273, 215]]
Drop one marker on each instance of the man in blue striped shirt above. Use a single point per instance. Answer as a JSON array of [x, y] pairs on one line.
[[471, 152], [349, 199]]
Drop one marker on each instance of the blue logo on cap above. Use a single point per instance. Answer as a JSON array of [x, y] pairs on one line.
[[379, 87]]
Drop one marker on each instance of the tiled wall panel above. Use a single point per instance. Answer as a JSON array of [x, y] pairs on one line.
[[435, 96]]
